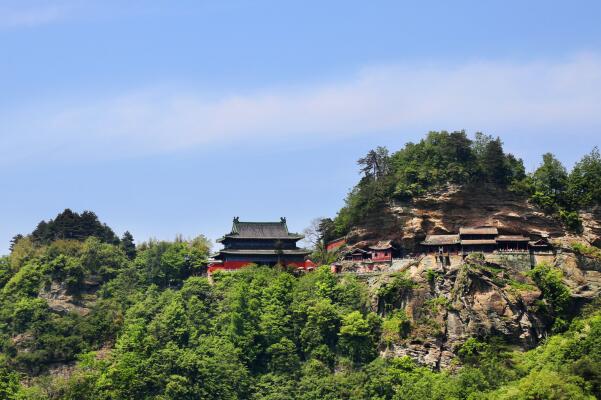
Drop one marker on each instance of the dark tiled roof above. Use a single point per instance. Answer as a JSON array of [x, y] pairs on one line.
[[437, 240], [382, 245], [357, 250], [261, 230], [540, 242], [479, 230]]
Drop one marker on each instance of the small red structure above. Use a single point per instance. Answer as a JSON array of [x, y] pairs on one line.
[[335, 244], [309, 265], [381, 251]]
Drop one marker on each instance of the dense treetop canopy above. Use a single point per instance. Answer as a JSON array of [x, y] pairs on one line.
[[157, 331], [71, 225], [445, 158], [154, 329]]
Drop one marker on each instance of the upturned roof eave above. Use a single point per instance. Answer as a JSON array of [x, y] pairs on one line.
[[265, 252]]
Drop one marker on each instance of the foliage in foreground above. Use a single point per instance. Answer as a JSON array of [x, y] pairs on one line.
[[261, 333], [147, 326]]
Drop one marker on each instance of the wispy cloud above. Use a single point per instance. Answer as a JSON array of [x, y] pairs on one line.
[[23, 16], [501, 97]]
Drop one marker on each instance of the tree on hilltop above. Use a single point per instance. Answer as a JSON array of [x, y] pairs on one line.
[[74, 226], [128, 245], [376, 163]]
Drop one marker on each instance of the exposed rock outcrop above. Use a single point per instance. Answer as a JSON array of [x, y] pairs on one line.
[[479, 298], [61, 300], [591, 224], [446, 210]]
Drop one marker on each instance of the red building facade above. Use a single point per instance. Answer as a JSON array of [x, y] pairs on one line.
[[382, 251], [335, 244]]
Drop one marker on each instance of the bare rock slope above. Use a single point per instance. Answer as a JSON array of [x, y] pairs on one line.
[[494, 296], [481, 298], [445, 211]]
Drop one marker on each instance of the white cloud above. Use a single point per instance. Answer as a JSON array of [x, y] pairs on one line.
[[19, 17], [491, 96]]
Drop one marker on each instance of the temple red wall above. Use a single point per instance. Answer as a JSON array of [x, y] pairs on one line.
[[335, 244], [235, 265], [381, 256]]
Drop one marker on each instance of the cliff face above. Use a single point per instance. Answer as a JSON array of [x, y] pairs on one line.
[[591, 223], [479, 298], [61, 301], [453, 301], [445, 211]]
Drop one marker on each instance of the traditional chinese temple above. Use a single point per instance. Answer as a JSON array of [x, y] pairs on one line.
[[481, 239], [357, 255], [262, 243], [541, 245], [441, 244], [478, 239], [381, 251], [512, 243]]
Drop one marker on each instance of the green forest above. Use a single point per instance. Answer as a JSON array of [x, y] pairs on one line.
[[452, 158], [156, 330], [86, 314]]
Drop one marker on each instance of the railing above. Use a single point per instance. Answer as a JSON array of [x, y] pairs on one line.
[[381, 259]]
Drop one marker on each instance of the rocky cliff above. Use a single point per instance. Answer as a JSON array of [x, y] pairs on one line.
[[494, 296], [445, 211]]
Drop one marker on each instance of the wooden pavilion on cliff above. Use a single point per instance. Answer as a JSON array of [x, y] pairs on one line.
[[381, 251], [512, 243], [357, 255], [541, 246], [478, 239], [484, 239], [262, 243], [441, 244]]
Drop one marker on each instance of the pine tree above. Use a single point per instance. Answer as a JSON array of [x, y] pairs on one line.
[[376, 163], [495, 167], [585, 181], [14, 241], [128, 245], [71, 225]]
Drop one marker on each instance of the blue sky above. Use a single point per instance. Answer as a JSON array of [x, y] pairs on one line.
[[172, 117]]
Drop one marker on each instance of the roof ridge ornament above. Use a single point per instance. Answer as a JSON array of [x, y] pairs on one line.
[[283, 220]]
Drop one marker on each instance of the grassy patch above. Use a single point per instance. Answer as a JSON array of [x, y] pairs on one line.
[[586, 250], [520, 286], [435, 304], [433, 275], [395, 328]]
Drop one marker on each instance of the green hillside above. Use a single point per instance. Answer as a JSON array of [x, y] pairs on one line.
[[87, 315]]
